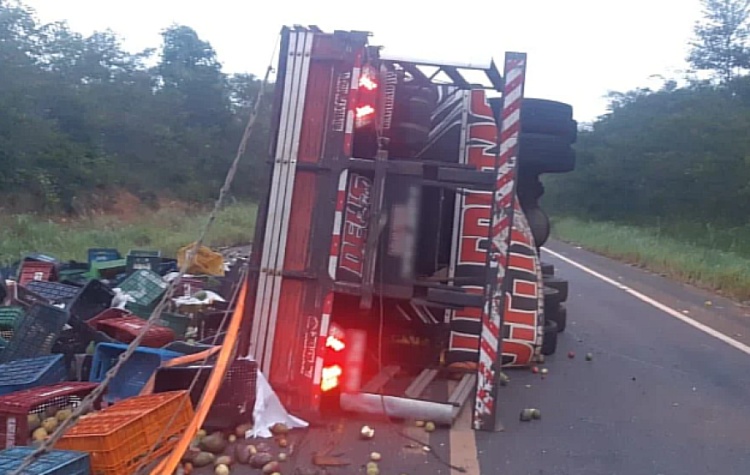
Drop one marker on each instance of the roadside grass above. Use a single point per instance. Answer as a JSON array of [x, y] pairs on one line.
[[166, 230], [705, 266]]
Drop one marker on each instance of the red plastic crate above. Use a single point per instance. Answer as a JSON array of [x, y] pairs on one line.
[[36, 270], [43, 401], [119, 441], [127, 327], [108, 314]]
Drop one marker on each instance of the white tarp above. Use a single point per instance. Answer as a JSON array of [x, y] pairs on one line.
[[268, 411]]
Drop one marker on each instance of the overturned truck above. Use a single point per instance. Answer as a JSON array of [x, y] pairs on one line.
[[398, 243]]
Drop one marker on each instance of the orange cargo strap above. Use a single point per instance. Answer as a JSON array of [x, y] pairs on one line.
[[169, 465]]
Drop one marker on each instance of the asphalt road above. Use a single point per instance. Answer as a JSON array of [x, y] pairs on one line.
[[659, 396]]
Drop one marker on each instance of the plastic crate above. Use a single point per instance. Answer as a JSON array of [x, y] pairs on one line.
[[43, 401], [127, 327], [36, 333], [103, 254], [54, 462], [209, 324], [54, 292], [118, 441], [133, 375], [4, 294], [145, 287], [91, 300], [189, 286], [35, 270], [27, 298], [177, 322], [167, 265], [235, 399], [9, 319], [32, 372], [107, 269], [142, 260], [157, 411]]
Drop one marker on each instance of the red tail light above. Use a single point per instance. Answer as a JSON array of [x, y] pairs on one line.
[[344, 360], [367, 97], [330, 377], [332, 371]]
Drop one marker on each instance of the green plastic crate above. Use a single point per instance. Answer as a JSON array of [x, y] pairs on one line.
[[9, 318], [107, 269], [145, 286]]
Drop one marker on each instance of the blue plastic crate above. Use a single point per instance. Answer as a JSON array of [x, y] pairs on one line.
[[102, 254], [55, 462], [36, 333], [133, 375], [53, 291], [31, 372]]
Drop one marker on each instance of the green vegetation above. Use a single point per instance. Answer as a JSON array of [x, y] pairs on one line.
[[80, 117], [663, 179], [656, 250], [167, 230]]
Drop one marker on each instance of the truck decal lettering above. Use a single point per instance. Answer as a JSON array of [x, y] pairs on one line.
[[355, 225], [340, 101], [309, 346]]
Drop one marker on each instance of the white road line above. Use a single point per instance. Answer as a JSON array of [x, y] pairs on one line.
[[664, 308]]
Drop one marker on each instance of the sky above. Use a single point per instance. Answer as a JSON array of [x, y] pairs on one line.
[[578, 50]]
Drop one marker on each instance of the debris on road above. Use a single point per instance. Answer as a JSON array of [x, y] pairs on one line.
[[367, 432], [526, 415], [589, 356]]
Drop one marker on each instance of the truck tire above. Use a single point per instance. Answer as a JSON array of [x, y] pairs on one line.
[[548, 269], [561, 285], [559, 315], [539, 224], [542, 153], [551, 297], [549, 343], [541, 116]]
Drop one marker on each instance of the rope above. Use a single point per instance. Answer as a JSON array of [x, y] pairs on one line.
[[145, 460], [88, 401]]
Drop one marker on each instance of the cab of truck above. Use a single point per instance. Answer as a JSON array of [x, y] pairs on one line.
[[398, 242]]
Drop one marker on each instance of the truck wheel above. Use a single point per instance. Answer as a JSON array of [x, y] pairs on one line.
[[559, 315], [543, 153], [540, 116], [548, 269], [549, 344], [539, 224], [559, 284], [551, 297]]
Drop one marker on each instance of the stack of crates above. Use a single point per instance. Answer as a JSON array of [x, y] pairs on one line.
[[119, 438]]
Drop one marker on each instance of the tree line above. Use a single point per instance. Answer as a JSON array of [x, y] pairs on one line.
[[680, 153], [80, 117]]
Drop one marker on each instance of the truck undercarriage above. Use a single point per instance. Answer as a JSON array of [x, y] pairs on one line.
[[398, 242]]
